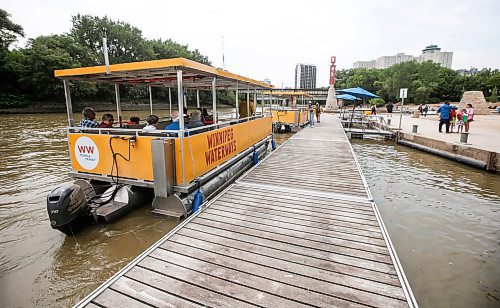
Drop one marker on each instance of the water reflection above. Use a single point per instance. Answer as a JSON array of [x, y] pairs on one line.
[[443, 219]]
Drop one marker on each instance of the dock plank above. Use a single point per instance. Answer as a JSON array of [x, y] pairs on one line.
[[280, 270], [112, 298], [336, 262], [150, 294]]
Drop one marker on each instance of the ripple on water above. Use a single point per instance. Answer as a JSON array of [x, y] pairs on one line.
[[442, 217]]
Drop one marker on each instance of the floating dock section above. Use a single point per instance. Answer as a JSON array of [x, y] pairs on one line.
[[300, 229]]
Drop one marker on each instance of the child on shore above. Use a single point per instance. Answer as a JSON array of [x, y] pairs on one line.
[[460, 122], [453, 119]]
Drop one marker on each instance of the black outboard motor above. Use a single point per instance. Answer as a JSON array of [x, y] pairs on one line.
[[67, 208], [281, 128]]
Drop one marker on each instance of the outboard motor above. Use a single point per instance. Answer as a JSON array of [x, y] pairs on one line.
[[67, 208]]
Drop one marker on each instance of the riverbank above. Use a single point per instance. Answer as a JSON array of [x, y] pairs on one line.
[[483, 140]]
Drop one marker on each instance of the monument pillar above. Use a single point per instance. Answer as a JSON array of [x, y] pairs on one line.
[[331, 99]]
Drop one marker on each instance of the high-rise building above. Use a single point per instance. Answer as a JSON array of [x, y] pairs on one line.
[[430, 53], [433, 53], [305, 76], [365, 64]]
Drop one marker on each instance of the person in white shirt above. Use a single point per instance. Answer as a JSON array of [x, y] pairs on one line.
[[152, 122]]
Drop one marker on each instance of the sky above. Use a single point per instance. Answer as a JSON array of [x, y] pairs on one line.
[[266, 39]]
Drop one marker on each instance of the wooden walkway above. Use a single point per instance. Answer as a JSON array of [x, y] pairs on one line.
[[300, 229]]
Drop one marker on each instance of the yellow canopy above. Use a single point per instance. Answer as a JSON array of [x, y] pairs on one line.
[[161, 73]]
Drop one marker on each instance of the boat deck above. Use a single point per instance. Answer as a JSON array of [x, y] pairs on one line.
[[300, 229]]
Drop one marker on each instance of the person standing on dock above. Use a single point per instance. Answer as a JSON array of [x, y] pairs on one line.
[[318, 112], [311, 115], [444, 116], [389, 107], [470, 116]]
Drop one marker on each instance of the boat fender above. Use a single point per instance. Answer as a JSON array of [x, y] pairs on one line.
[[273, 144], [255, 157], [198, 199]]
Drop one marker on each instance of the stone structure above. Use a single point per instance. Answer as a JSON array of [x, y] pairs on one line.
[[476, 98], [331, 99]]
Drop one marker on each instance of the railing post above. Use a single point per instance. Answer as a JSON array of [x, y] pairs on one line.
[[180, 98]]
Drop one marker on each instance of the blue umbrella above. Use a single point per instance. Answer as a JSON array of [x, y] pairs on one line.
[[347, 97], [358, 92]]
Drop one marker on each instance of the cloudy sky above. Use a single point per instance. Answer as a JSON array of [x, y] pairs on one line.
[[266, 39]]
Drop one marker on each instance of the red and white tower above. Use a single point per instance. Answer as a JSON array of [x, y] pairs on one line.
[[331, 99]]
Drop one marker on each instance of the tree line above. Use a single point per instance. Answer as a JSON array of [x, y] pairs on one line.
[[427, 82], [27, 73]]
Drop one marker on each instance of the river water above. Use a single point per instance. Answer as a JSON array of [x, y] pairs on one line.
[[442, 217]]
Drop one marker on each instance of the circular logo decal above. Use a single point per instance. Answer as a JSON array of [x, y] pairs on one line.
[[86, 153]]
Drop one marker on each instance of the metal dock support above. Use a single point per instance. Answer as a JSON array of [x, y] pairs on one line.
[[299, 229]]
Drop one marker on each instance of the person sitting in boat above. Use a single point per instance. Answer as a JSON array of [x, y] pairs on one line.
[[186, 115], [243, 109], [107, 121], [88, 118], [133, 121], [206, 118], [195, 120], [152, 122], [175, 121]]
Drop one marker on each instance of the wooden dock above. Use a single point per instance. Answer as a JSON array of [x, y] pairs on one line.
[[300, 229]]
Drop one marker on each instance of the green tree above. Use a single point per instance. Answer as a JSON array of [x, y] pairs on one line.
[[494, 95], [45, 54], [8, 30], [125, 42]]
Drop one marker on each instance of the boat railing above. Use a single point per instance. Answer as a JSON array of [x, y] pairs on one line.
[[159, 132]]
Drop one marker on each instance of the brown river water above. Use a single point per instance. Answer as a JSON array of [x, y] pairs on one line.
[[443, 219]]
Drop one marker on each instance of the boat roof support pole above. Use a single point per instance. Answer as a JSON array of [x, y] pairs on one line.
[[255, 98], [170, 100], [150, 99], [180, 96], [237, 101], [214, 100], [118, 104], [69, 105], [263, 102], [271, 102], [185, 98], [198, 98], [248, 101]]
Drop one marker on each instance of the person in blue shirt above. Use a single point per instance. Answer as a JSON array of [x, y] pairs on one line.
[[88, 118], [444, 116], [175, 121]]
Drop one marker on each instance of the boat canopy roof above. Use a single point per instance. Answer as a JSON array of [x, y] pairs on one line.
[[287, 93], [162, 73]]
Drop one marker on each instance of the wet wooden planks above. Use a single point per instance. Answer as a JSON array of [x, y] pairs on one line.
[[272, 241]]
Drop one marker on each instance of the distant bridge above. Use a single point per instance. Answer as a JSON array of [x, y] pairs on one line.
[[318, 94]]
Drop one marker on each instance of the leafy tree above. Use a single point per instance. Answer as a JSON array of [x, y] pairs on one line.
[[45, 54], [494, 95], [8, 30], [125, 42]]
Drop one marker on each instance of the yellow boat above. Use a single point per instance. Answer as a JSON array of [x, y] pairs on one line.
[[293, 114], [118, 168]]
